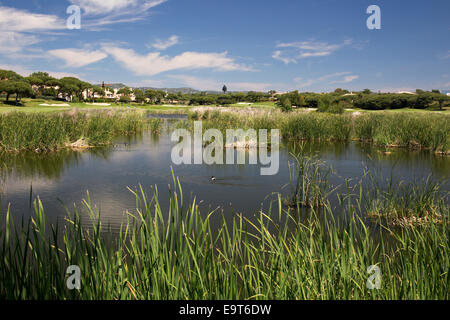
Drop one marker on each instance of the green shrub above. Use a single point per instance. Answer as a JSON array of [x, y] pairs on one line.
[[336, 108], [323, 104], [285, 104]]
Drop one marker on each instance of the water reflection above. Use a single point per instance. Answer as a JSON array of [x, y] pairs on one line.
[[64, 177]]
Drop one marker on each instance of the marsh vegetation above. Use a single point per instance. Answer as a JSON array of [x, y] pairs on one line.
[[49, 132], [281, 253], [431, 131]]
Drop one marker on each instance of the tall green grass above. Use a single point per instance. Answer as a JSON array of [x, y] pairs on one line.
[[407, 203], [385, 129], [176, 254], [47, 132]]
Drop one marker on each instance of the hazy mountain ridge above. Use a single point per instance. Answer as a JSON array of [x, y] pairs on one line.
[[184, 90]]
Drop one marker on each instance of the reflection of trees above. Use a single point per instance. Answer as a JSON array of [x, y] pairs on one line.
[[441, 165], [337, 149], [128, 139], [48, 165], [29, 164], [423, 160]]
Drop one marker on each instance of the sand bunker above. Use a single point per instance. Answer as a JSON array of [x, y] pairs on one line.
[[55, 105]]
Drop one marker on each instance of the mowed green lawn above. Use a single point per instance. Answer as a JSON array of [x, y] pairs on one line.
[[34, 105], [30, 105]]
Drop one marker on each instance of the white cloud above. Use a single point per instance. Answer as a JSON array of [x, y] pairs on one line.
[[153, 63], [97, 7], [20, 29], [23, 71], [277, 55], [333, 75], [26, 71], [347, 78], [16, 26], [105, 12], [78, 57], [13, 42], [12, 19], [163, 45], [293, 51], [59, 75]]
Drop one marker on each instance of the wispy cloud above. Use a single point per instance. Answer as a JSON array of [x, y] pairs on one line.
[[97, 7], [347, 79], [14, 42], [154, 63], [16, 20], [20, 29], [78, 57], [278, 55], [446, 56], [333, 75], [291, 52], [26, 71], [164, 44], [338, 77], [105, 12]]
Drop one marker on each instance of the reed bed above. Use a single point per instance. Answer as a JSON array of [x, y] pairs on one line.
[[279, 254], [48, 132], [385, 129]]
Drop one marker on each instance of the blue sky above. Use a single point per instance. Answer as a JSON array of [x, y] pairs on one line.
[[247, 44]]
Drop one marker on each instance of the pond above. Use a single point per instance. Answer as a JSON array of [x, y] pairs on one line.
[[62, 179]]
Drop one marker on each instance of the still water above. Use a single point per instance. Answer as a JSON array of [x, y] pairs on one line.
[[62, 179]]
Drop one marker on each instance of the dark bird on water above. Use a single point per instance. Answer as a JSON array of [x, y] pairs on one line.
[[213, 178]]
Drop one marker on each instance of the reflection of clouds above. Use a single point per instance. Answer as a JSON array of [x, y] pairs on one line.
[[20, 186], [148, 148], [106, 173], [111, 202]]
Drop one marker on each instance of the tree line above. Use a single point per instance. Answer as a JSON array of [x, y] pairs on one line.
[[339, 100], [41, 84]]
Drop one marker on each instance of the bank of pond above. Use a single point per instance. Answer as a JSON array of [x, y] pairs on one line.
[[315, 237], [179, 253], [49, 132]]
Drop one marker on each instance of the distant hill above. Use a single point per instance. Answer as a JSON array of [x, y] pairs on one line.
[[170, 90], [174, 90], [112, 85]]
